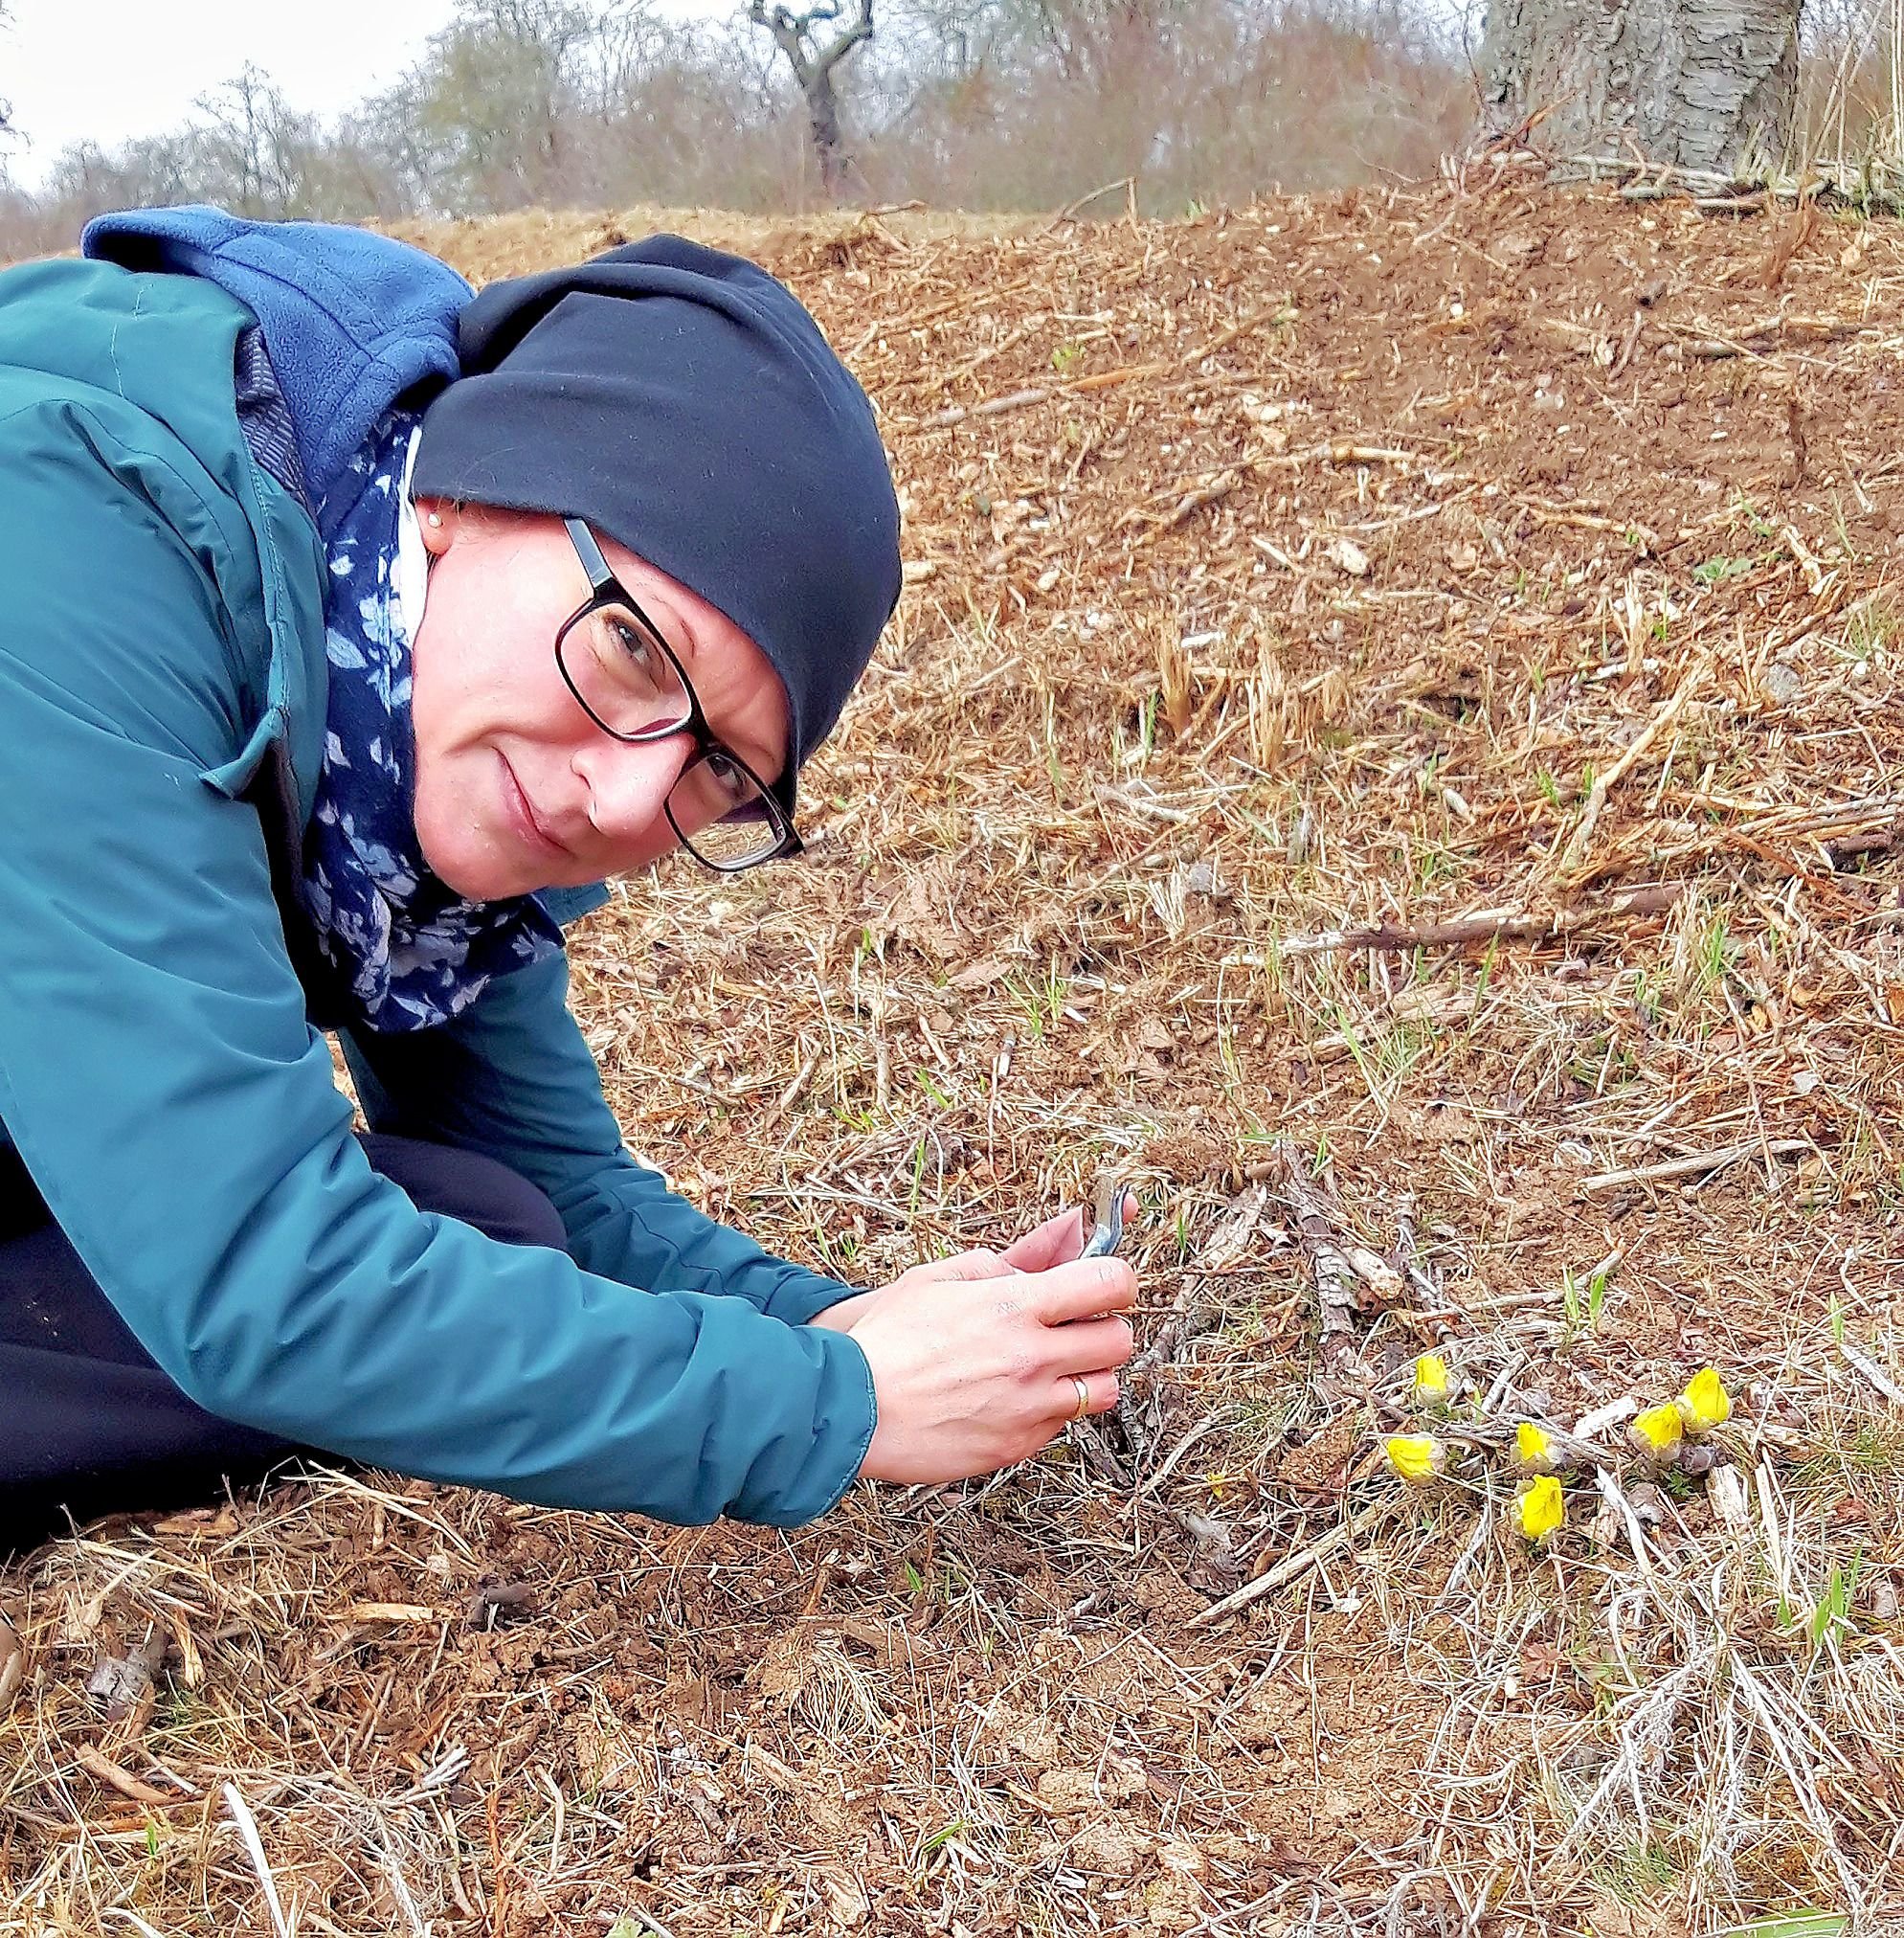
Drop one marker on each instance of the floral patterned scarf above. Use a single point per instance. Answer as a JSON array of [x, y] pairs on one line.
[[412, 953]]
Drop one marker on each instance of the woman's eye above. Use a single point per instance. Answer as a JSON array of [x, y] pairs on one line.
[[728, 778], [633, 645]]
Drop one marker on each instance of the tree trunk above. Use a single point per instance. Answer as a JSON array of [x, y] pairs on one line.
[[1705, 84], [823, 123]]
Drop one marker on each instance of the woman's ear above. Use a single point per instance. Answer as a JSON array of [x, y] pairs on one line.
[[439, 518]]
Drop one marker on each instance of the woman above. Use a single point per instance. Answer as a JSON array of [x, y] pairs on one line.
[[355, 630]]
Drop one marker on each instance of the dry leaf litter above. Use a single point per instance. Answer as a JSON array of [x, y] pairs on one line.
[[1392, 739]]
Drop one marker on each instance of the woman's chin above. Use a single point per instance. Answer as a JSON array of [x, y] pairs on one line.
[[471, 867]]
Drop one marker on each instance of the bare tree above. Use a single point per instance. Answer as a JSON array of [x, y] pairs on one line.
[[798, 32], [490, 102], [251, 150], [1710, 85]]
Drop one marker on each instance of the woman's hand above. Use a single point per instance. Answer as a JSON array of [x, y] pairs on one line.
[[1056, 1242], [970, 1378], [960, 1268]]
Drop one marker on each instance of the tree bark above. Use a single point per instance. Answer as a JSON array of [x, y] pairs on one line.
[[1703, 84], [813, 68], [829, 143]]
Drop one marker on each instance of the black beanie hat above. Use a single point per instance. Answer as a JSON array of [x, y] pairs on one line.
[[683, 401]]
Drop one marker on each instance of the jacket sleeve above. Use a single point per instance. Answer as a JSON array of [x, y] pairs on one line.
[[179, 1115], [513, 1077]]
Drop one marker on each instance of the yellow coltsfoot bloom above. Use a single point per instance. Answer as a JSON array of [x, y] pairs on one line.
[[1656, 1432], [1705, 1404], [1534, 1449], [1431, 1381], [1539, 1507], [1418, 1457]]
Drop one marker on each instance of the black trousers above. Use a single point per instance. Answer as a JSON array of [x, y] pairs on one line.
[[89, 1424]]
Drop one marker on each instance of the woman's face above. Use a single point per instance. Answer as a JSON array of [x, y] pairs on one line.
[[517, 789]]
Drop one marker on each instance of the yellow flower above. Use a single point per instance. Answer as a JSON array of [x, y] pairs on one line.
[[1539, 1508], [1705, 1404], [1418, 1457], [1534, 1447], [1656, 1432], [1431, 1378]]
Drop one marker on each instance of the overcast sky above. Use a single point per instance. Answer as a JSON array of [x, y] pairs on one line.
[[109, 70]]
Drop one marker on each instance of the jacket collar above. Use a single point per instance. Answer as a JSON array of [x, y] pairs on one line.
[[352, 321]]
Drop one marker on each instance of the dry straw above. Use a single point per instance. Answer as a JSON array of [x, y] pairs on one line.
[[1393, 739]]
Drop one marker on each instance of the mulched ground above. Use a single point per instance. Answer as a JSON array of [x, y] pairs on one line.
[[1396, 713]]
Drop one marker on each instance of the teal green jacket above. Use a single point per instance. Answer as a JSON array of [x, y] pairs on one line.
[[162, 705]]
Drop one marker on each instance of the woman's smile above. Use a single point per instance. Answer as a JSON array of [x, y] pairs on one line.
[[529, 827]]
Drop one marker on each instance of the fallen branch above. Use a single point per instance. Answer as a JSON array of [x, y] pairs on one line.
[[1084, 201], [1101, 381], [1222, 340], [1190, 504], [1874, 1372], [121, 1779], [1593, 521], [1019, 400], [1628, 1517], [1886, 841], [1700, 1165], [1756, 338], [1752, 203], [1488, 924], [1603, 784], [894, 326], [1337, 1265], [1334, 1280], [240, 1814]]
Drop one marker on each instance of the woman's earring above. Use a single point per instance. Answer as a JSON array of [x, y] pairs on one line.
[[435, 518]]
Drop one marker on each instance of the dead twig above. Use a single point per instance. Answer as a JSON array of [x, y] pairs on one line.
[[1489, 925], [121, 1779], [1296, 1564], [1701, 1163], [1070, 209], [1101, 381], [241, 1813], [1337, 1264], [1568, 864]]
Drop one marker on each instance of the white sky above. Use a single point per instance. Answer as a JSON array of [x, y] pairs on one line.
[[110, 70]]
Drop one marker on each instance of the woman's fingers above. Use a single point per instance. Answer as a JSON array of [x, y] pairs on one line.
[[970, 1379], [1085, 1289], [1099, 1388], [1090, 1345], [1055, 1242], [978, 1263]]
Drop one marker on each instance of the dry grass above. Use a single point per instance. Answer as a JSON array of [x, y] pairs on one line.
[[1253, 794]]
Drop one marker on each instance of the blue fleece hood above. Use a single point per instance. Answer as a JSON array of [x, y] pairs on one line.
[[352, 321]]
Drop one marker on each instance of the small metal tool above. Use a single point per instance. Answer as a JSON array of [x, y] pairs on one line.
[[1109, 1232]]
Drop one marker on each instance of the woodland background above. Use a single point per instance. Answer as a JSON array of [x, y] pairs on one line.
[[1006, 106]]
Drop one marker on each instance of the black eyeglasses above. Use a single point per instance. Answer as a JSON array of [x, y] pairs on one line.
[[626, 679]]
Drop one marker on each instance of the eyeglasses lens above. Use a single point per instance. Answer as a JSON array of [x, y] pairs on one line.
[[622, 676], [722, 815]]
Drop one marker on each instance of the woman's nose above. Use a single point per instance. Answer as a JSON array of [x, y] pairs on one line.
[[629, 784]]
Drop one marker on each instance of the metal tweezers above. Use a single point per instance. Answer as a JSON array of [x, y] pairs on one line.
[[1109, 1232]]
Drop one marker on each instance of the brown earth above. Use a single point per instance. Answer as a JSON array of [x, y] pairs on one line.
[[1345, 545]]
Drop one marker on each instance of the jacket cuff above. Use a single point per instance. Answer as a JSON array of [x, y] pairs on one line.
[[804, 1293], [846, 1417]]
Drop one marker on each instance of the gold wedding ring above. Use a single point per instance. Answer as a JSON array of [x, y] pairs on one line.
[[1084, 1396]]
